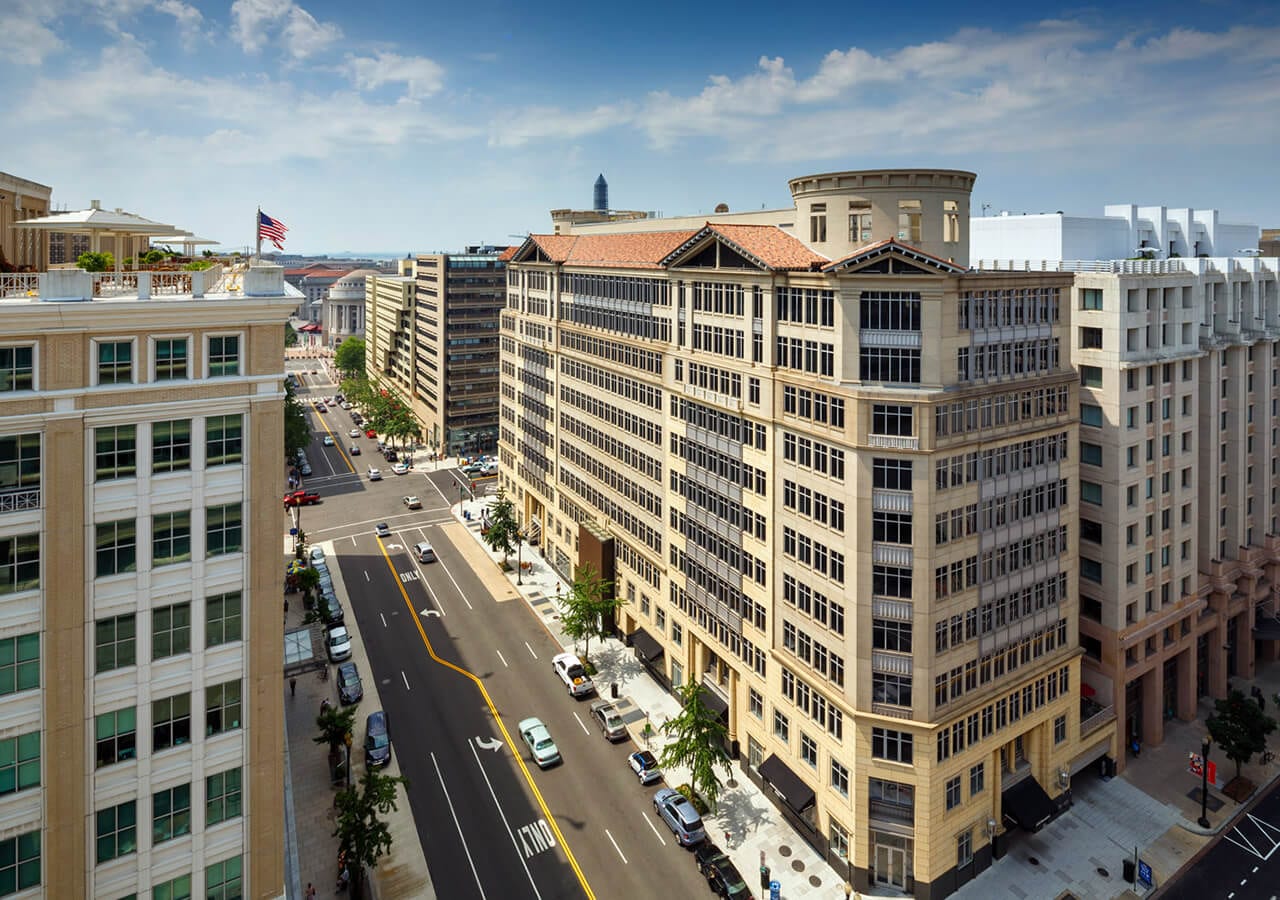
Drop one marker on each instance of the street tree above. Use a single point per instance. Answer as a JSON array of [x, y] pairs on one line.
[[361, 828], [1240, 728], [335, 724], [697, 742], [588, 607], [501, 533], [349, 357], [297, 434]]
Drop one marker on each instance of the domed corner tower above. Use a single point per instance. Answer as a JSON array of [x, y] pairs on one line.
[[838, 212]]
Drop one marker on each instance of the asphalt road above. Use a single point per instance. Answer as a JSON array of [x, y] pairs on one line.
[[489, 826], [1242, 863]]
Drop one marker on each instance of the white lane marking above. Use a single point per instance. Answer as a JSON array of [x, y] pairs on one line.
[[501, 657], [457, 587], [616, 847], [505, 823], [584, 728], [531, 653], [438, 491], [366, 575], [384, 619], [422, 576], [458, 825], [406, 680], [656, 832], [536, 837]]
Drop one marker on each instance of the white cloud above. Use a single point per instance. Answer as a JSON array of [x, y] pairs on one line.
[[422, 77], [536, 123], [28, 39], [256, 22]]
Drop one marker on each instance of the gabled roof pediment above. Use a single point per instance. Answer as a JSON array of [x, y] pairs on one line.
[[891, 257], [761, 247]]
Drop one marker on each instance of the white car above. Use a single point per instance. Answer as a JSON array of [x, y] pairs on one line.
[[327, 440], [317, 555], [401, 468], [355, 432], [338, 643], [538, 739], [375, 474], [412, 502], [573, 674]]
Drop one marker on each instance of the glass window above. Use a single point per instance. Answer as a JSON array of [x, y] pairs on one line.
[[223, 440], [977, 778], [222, 707], [176, 889], [809, 751], [117, 547], [170, 538], [19, 563], [115, 642], [170, 630], [222, 529], [171, 722], [17, 368], [1059, 729], [222, 880], [781, 727], [171, 359], [755, 703], [1091, 492], [839, 778], [1091, 453], [116, 734], [115, 362], [964, 847], [19, 863], [171, 446], [19, 463], [1091, 376], [19, 663], [224, 356], [117, 830], [1091, 415], [953, 792], [170, 813], [19, 763], [222, 618], [223, 796], [1091, 298], [115, 452]]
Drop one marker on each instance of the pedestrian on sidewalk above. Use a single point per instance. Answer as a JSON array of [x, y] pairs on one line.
[[293, 685], [311, 891]]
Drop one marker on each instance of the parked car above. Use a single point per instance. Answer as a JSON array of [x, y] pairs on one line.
[[304, 467], [327, 440], [377, 740], [370, 433], [609, 720], [706, 855], [320, 407], [317, 555], [401, 468], [645, 765], [424, 552], [412, 502], [375, 474], [350, 690], [473, 469], [331, 610], [541, 747], [346, 405], [382, 530], [301, 498], [390, 455], [354, 432], [490, 468], [338, 643], [574, 675], [677, 811], [355, 450]]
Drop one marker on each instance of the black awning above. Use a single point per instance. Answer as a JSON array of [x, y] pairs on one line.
[[647, 648], [786, 784], [1267, 629], [714, 702], [1028, 804]]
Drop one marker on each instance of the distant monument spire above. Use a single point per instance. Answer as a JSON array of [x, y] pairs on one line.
[[601, 195]]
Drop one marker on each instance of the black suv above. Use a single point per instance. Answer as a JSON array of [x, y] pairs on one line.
[[350, 690], [377, 740]]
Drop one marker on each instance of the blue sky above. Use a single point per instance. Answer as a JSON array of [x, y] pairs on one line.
[[411, 126]]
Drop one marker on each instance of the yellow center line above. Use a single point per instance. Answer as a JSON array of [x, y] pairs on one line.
[[337, 442], [551, 819]]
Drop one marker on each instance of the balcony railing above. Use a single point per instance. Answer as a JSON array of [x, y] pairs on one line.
[[885, 500], [893, 441], [1097, 720], [893, 663], [19, 499], [893, 812], [875, 337], [26, 284], [891, 554], [885, 709]]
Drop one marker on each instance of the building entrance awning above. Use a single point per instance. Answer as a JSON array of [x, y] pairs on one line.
[[787, 784], [646, 646], [1027, 804], [714, 702]]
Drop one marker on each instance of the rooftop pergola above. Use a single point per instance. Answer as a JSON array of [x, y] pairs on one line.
[[98, 223]]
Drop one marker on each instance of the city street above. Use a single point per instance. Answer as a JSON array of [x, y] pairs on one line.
[[490, 826], [1242, 863]]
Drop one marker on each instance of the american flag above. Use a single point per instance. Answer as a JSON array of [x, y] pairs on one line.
[[271, 229]]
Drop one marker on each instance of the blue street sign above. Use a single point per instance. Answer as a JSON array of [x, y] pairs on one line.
[[293, 531], [1144, 873], [775, 890]]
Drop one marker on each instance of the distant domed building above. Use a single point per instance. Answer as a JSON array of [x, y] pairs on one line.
[[343, 315]]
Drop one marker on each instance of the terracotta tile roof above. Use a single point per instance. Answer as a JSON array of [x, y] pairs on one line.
[[505, 255], [892, 243], [555, 246], [639, 250], [335, 274], [771, 245]]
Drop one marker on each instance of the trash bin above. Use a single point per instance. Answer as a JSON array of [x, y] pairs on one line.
[[1127, 871], [613, 690], [764, 877]]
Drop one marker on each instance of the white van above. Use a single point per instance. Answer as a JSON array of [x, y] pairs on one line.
[[424, 552]]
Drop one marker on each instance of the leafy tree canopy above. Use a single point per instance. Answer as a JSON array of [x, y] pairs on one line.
[[590, 604], [349, 357], [1240, 727], [697, 742], [361, 828], [96, 262], [297, 434]]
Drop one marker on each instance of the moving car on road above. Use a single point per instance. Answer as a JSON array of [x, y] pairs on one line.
[[327, 440], [375, 474], [355, 450], [541, 747], [401, 468], [412, 502], [382, 530], [645, 765], [338, 643], [350, 690], [301, 498], [609, 720], [377, 740], [683, 820], [574, 675], [354, 432], [424, 552]]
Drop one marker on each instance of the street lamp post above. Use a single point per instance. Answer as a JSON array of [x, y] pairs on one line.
[[1204, 783], [519, 565]]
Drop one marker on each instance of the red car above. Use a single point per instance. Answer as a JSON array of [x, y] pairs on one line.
[[371, 433], [301, 498]]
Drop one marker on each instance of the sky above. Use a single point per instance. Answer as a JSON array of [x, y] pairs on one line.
[[392, 126]]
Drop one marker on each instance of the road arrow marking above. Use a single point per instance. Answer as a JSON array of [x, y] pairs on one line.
[[395, 546], [488, 743], [429, 612]]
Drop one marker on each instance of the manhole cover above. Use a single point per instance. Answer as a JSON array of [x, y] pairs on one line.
[[784, 850], [815, 881], [1103, 872], [1033, 860], [797, 865]]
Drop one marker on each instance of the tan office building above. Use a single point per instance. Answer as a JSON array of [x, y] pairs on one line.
[[141, 440], [24, 249], [833, 474]]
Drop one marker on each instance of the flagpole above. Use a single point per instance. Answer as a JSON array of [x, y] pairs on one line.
[[257, 230]]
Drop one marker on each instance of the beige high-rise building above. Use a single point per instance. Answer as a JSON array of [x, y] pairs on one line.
[[141, 448], [833, 475]]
